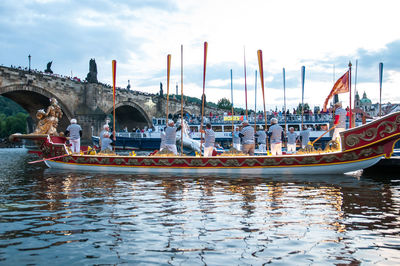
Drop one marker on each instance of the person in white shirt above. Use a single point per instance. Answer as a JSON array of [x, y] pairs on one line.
[[75, 133], [305, 136], [209, 140], [275, 132], [262, 140], [170, 137], [236, 139], [291, 140], [247, 135], [340, 121]]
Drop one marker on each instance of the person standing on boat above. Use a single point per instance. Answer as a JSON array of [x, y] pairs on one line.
[[291, 140], [75, 133], [106, 130], [275, 131], [170, 137], [262, 140], [236, 139], [305, 136], [209, 140], [247, 135], [162, 137], [106, 143], [340, 121]]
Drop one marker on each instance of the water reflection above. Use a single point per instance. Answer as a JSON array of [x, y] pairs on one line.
[[84, 218]]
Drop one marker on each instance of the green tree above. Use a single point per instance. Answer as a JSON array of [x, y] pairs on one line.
[[224, 104], [306, 107]]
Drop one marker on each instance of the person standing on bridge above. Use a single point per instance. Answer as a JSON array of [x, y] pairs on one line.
[[74, 131]]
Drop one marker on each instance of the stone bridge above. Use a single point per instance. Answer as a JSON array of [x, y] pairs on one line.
[[90, 103]]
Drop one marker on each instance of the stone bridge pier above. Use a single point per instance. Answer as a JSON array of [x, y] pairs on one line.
[[90, 103]]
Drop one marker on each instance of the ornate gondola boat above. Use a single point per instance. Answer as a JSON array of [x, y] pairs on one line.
[[361, 147]]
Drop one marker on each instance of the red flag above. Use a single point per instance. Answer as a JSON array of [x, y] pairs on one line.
[[341, 86]]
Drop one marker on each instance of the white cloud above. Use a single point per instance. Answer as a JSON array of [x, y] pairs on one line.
[[139, 36]]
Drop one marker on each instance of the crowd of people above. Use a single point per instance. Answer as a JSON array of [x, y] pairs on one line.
[[245, 138]]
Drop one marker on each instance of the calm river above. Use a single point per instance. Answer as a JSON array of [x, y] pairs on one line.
[[52, 217]]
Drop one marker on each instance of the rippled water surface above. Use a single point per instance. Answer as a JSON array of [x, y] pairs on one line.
[[64, 218]]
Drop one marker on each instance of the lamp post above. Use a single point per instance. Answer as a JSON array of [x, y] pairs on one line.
[[29, 57]]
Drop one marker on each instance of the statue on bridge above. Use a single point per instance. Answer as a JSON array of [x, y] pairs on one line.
[[48, 121], [161, 90], [48, 69], [92, 75]]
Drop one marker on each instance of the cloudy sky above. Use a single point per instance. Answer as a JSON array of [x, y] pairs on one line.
[[321, 35]]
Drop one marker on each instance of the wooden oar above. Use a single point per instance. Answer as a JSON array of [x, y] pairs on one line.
[[52, 158], [61, 156], [322, 135], [260, 65]]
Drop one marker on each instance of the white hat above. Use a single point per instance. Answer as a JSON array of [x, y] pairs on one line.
[[170, 122], [106, 126], [338, 104], [73, 121], [245, 122], [274, 120]]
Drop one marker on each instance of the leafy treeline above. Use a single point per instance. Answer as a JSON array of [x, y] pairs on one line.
[[12, 118], [209, 104]]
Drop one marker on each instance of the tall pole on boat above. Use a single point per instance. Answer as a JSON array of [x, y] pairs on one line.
[[245, 81], [114, 73], [380, 87], [204, 89], [336, 96], [350, 111], [303, 70], [255, 101], [284, 96], [355, 84], [182, 123], [260, 65], [168, 73], [233, 130]]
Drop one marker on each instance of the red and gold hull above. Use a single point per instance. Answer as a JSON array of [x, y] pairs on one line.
[[361, 147]]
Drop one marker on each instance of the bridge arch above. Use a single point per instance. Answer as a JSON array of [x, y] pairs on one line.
[[32, 98], [131, 115]]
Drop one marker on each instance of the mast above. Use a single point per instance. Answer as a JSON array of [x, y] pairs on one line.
[[204, 89], [284, 96], [255, 101], [168, 73], [380, 87], [233, 131], [245, 82], [350, 111], [182, 123], [303, 70]]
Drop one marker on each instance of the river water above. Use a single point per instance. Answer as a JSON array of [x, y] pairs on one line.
[[71, 218]]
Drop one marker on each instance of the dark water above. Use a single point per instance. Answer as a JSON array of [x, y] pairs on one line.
[[63, 218]]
